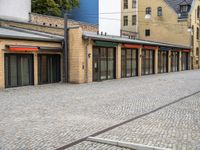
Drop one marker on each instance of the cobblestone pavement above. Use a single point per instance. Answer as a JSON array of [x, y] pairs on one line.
[[176, 127], [51, 116]]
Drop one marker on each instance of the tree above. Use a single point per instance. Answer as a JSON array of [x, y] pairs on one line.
[[53, 7]]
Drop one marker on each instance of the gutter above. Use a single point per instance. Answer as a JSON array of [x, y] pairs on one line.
[[86, 37], [29, 38]]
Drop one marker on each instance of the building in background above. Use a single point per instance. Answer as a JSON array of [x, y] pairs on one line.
[[88, 12], [129, 18], [175, 22], [106, 14], [17, 10]]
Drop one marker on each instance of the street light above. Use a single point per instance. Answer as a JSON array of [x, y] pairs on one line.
[[189, 30], [147, 16]]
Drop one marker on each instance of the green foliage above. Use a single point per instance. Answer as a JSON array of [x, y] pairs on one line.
[[53, 7]]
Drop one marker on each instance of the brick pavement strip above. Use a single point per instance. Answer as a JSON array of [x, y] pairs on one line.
[[87, 145], [50, 116]]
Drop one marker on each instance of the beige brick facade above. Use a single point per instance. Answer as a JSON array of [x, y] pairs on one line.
[[81, 58], [48, 24], [58, 22], [130, 11], [3, 51], [168, 28], [77, 56]]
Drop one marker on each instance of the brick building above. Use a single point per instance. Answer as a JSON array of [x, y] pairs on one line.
[[32, 53]]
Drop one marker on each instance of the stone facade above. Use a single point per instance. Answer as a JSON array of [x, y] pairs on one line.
[[81, 58], [47, 24], [58, 22], [130, 29], [77, 52], [168, 28], [3, 51]]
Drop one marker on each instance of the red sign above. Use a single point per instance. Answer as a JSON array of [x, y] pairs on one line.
[[150, 47], [186, 50], [137, 46], [23, 48]]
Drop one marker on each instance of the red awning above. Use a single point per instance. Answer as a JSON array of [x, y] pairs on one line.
[[150, 47], [22, 48], [186, 50], [137, 46]]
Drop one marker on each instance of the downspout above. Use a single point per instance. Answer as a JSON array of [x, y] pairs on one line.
[[65, 52], [87, 57]]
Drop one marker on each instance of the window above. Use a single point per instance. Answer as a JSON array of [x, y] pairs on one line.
[[125, 20], [147, 62], [184, 8], [134, 20], [103, 63], [125, 4], [49, 68], [18, 70], [162, 61], [159, 11], [148, 11], [134, 3], [198, 11], [129, 62], [197, 33], [197, 51], [147, 32], [174, 61]]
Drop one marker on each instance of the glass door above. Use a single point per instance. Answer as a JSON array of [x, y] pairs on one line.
[[174, 61], [103, 63], [147, 62], [162, 61], [185, 61], [18, 70], [49, 68], [129, 63]]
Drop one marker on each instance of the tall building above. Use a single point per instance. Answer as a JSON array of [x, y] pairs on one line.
[[106, 14], [171, 21], [129, 18], [86, 12]]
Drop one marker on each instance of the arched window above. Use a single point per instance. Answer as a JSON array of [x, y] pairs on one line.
[[159, 11], [197, 33], [148, 11], [197, 51], [198, 11]]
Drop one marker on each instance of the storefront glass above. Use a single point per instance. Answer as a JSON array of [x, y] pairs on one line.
[[147, 62], [162, 61], [103, 63], [174, 61], [49, 68], [129, 63], [18, 70]]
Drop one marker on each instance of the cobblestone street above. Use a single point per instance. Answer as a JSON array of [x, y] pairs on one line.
[[51, 116]]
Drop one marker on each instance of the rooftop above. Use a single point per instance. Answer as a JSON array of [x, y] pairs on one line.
[[119, 39], [175, 4], [18, 33]]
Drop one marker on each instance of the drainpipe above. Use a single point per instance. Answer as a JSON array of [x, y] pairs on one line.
[[65, 52], [87, 57]]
